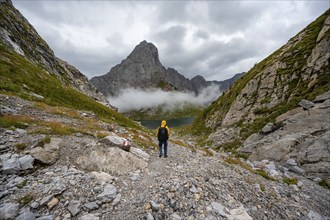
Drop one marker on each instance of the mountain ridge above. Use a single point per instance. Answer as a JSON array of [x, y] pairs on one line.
[[143, 69]]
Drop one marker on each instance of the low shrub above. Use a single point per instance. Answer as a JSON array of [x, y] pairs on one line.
[[290, 181], [325, 184]]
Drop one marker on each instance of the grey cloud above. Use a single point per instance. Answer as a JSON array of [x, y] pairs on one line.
[[201, 35], [233, 16], [172, 38], [264, 27], [137, 99], [172, 12]]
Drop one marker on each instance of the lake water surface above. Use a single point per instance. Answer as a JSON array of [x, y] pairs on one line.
[[171, 123]]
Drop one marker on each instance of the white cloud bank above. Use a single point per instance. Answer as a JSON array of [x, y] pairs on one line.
[[137, 99]]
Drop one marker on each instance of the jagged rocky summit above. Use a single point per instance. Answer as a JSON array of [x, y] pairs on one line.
[[19, 35], [143, 69]]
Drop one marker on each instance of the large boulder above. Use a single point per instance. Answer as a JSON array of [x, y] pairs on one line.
[[48, 154], [26, 162], [115, 140], [111, 160], [11, 166]]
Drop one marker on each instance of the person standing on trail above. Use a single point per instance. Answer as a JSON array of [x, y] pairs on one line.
[[163, 134]]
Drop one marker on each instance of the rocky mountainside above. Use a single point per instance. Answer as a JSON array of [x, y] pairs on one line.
[[142, 69], [19, 35], [297, 72], [59, 163]]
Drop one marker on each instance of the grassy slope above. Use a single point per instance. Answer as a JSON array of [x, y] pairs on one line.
[[221, 106], [16, 72]]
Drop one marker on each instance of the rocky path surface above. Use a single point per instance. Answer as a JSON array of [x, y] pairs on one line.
[[79, 176]]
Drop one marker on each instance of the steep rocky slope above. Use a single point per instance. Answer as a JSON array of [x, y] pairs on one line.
[[298, 70], [142, 69], [19, 35]]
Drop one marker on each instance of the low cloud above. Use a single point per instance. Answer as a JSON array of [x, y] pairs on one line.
[[137, 99]]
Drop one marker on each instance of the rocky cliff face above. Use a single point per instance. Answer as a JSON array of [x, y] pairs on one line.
[[298, 70], [19, 35], [142, 69]]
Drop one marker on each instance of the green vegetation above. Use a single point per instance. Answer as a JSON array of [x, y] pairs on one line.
[[25, 200], [290, 181], [20, 77], [325, 183], [20, 147], [44, 141], [241, 155], [16, 121], [262, 187], [264, 174], [230, 146], [235, 161]]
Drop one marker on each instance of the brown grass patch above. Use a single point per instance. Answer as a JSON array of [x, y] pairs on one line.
[[57, 110], [17, 121]]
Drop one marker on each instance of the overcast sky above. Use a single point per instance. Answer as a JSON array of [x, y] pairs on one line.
[[215, 39]]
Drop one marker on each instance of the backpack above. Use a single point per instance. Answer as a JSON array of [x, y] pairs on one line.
[[162, 134]]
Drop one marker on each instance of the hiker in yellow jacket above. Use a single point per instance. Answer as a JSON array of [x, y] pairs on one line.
[[163, 134]]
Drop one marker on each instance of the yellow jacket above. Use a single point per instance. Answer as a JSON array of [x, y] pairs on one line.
[[163, 125]]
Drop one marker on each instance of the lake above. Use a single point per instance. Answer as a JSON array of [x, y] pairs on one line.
[[171, 123]]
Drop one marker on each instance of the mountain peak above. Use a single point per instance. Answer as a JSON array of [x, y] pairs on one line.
[[144, 51]]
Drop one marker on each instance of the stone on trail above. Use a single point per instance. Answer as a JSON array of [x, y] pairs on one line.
[[47, 217], [150, 217], [154, 206], [74, 207], [116, 200], [9, 210], [89, 217], [219, 209], [91, 206], [175, 216], [11, 166], [315, 216], [26, 162], [26, 214], [52, 203], [306, 104], [239, 214], [109, 193]]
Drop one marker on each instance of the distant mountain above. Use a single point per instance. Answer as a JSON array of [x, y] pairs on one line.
[[142, 69]]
